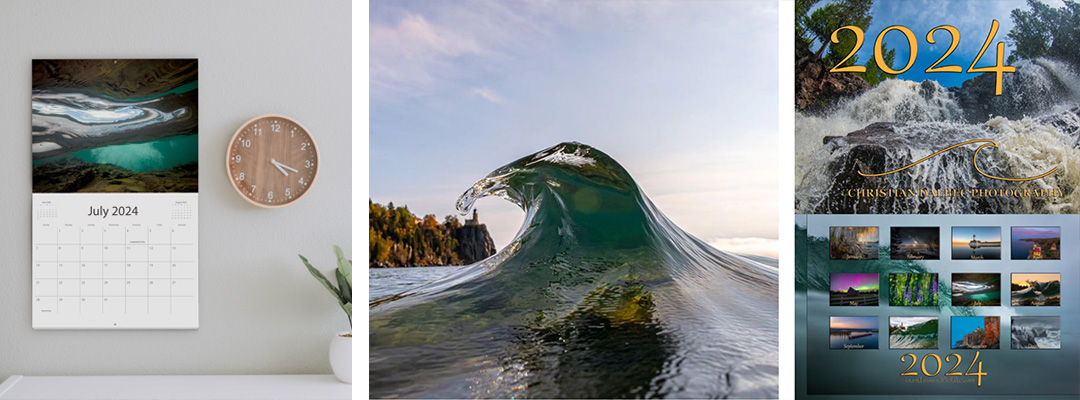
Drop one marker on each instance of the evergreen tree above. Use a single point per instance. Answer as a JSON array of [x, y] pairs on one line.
[[1044, 31], [814, 26]]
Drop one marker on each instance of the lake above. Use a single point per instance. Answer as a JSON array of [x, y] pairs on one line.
[[966, 253], [843, 340], [389, 281]]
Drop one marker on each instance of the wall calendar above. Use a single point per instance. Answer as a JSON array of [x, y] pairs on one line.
[[115, 194]]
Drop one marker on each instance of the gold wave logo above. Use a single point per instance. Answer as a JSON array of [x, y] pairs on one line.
[[986, 143]]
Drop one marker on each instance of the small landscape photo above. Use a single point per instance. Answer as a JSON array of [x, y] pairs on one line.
[[853, 332], [915, 243], [1036, 243], [853, 243], [913, 332], [854, 289], [976, 290]]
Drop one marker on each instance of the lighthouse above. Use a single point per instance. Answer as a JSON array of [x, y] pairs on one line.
[[475, 220]]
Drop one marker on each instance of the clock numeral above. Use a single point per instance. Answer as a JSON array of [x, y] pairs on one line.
[[252, 189], [275, 127], [237, 158], [257, 130], [245, 142], [288, 193], [241, 177], [308, 163], [270, 195], [302, 181], [303, 146]]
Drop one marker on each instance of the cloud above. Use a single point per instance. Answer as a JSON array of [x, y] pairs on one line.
[[488, 94], [748, 245], [417, 46], [405, 55], [631, 78]]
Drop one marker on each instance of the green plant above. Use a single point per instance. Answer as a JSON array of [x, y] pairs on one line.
[[343, 291], [1045, 31]]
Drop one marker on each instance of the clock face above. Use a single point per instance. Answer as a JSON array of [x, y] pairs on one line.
[[272, 161]]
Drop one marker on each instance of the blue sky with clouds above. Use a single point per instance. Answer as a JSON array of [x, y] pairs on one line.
[[972, 18], [682, 94]]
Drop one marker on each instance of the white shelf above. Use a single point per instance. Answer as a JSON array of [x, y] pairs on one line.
[[237, 387]]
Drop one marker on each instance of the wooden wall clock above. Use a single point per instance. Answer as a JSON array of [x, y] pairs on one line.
[[272, 161]]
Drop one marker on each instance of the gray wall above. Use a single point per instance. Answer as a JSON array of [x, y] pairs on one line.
[[260, 311]]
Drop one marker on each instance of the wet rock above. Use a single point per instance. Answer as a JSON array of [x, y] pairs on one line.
[[1024, 93], [474, 243], [816, 87], [70, 174]]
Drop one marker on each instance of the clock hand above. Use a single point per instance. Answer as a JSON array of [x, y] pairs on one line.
[[278, 165], [288, 167]]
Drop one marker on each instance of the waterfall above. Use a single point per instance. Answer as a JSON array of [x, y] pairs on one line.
[[1035, 122]]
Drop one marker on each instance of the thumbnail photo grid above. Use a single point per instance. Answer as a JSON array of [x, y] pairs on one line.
[[923, 294]]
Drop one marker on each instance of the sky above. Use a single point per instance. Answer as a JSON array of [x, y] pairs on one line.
[[1019, 233], [972, 18], [961, 235], [682, 94], [962, 326], [859, 281], [1022, 279], [909, 321], [1049, 322], [910, 235], [1035, 232], [853, 323]]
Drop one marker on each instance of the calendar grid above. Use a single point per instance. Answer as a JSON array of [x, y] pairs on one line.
[[171, 266], [81, 265], [58, 268], [126, 266], [139, 253]]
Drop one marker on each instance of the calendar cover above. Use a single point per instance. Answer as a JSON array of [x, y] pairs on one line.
[[936, 172], [115, 194]]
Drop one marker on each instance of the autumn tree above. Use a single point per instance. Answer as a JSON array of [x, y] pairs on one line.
[[396, 237]]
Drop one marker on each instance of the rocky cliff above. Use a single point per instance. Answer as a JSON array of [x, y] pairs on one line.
[[816, 88], [985, 338], [70, 174], [992, 326], [473, 243]]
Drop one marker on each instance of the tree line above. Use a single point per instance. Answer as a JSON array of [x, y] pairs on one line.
[[397, 237]]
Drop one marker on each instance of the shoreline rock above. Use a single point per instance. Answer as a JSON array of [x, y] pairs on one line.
[[816, 89], [71, 174]]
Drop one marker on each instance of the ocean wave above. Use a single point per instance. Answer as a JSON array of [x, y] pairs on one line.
[[598, 295]]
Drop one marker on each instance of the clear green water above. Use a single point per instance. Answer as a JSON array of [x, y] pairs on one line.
[[598, 296], [985, 296], [143, 156]]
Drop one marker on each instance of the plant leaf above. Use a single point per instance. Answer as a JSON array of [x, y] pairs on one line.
[[348, 310], [326, 283], [343, 287], [344, 266]]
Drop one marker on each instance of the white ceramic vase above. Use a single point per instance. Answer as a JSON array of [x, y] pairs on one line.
[[341, 356]]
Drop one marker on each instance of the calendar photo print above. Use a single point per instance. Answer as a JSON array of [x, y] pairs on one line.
[[115, 126], [115, 194]]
